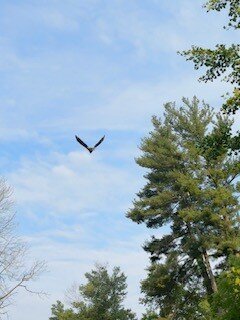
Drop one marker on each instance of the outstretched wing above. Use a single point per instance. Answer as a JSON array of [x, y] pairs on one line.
[[81, 142], [98, 143]]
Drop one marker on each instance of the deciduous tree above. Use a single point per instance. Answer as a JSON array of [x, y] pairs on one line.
[[14, 273], [226, 302], [223, 60]]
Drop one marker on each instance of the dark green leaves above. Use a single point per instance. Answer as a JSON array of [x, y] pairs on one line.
[[233, 7], [221, 61]]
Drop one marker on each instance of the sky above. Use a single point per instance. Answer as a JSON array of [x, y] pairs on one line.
[[90, 67]]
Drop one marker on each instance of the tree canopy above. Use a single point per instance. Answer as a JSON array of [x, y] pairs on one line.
[[101, 298]]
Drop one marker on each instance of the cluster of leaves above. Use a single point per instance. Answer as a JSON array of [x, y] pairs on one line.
[[234, 10], [218, 62], [100, 298], [150, 315], [226, 302], [220, 140], [59, 312], [169, 287], [222, 60]]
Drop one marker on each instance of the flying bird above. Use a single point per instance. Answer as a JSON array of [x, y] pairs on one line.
[[86, 146]]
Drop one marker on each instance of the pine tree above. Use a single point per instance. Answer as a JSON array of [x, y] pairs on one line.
[[191, 187], [101, 298]]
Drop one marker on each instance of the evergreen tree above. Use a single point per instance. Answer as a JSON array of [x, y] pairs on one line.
[[191, 187], [101, 298]]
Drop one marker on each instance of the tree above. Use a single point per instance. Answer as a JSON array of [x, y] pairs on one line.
[[222, 60], [226, 302], [14, 274], [101, 298], [191, 188]]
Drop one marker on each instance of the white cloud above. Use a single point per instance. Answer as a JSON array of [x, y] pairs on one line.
[[75, 183]]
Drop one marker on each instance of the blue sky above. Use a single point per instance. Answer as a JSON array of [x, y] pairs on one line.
[[89, 67]]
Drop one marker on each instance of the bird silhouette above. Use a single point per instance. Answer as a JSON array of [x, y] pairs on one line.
[[86, 146]]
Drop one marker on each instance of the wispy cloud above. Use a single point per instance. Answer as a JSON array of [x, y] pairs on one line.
[[75, 183], [71, 81]]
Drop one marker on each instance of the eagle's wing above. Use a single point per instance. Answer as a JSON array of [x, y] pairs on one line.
[[98, 143], [81, 142]]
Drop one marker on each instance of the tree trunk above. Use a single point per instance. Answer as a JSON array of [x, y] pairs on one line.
[[205, 266], [208, 268], [207, 274]]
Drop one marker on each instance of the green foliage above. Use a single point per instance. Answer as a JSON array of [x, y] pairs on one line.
[[177, 292], [233, 13], [218, 62], [59, 313], [150, 315], [100, 298], [191, 187], [223, 60], [219, 141], [226, 302]]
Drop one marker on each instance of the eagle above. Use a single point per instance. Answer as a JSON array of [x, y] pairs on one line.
[[86, 146]]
